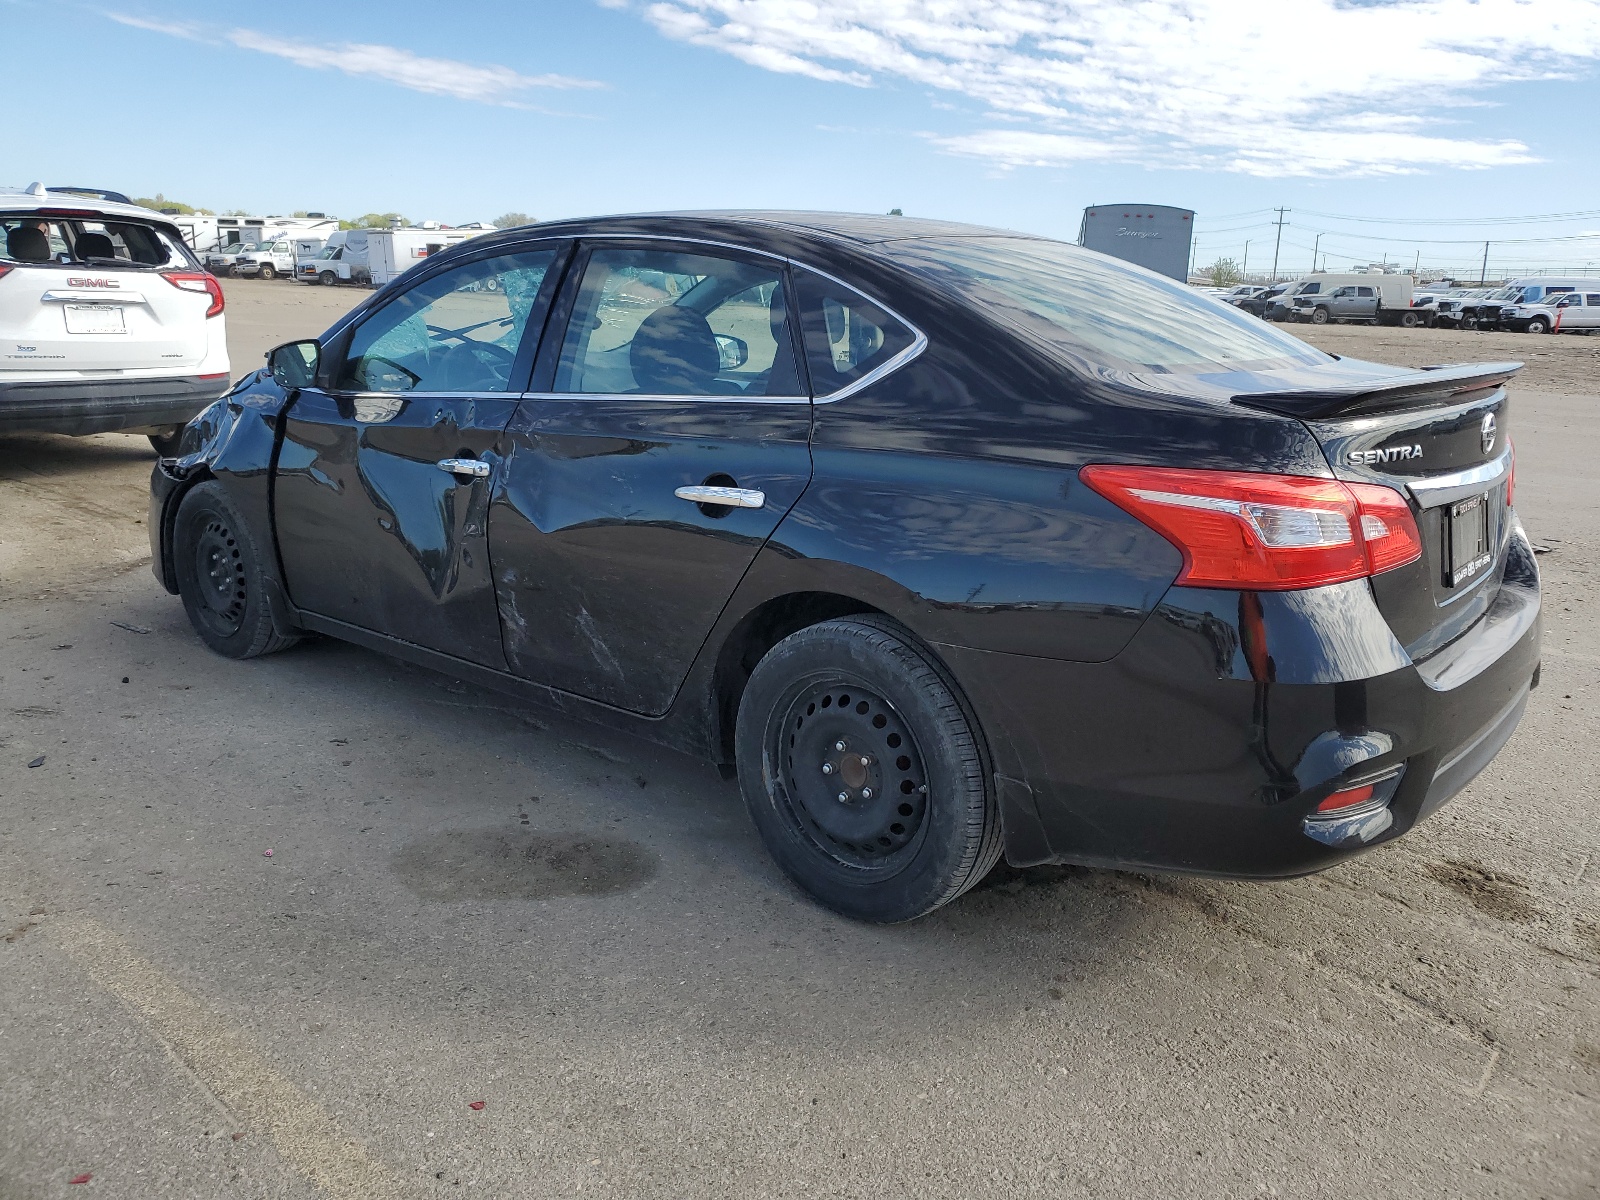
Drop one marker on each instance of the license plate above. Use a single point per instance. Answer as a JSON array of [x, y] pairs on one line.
[[94, 318], [1468, 535]]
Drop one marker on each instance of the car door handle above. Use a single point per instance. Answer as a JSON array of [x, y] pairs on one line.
[[465, 466], [728, 497]]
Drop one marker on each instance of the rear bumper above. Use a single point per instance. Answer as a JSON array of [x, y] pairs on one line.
[[78, 407], [1206, 744]]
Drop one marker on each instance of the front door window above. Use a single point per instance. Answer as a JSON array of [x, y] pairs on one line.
[[456, 332]]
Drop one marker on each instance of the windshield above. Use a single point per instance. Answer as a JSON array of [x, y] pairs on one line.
[[1506, 293], [1098, 309], [27, 238]]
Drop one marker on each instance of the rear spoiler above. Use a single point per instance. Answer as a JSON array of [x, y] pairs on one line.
[[1418, 389]]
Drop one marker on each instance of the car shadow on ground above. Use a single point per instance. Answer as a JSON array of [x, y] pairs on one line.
[[56, 454]]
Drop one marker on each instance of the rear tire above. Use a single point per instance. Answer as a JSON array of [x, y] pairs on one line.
[[167, 440], [851, 707], [221, 576], [1409, 320], [328, 279]]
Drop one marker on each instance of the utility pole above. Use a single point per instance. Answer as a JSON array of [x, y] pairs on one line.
[[1280, 223], [1483, 272], [1314, 247], [1416, 267], [1244, 271]]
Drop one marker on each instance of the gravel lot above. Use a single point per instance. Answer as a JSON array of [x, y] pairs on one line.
[[468, 901]]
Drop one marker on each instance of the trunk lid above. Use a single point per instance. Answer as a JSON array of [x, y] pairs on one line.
[[108, 314], [1441, 437]]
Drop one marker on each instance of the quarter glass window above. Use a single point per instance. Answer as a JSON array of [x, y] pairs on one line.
[[455, 332], [846, 334], [668, 323]]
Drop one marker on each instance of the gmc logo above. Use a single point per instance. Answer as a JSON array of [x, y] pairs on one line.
[[86, 281]]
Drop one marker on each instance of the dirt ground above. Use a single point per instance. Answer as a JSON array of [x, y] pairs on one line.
[[471, 903], [1568, 363]]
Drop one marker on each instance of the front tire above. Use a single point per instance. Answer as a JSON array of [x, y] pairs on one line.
[[221, 576], [1319, 316], [267, 272], [1538, 325], [328, 279], [852, 708]]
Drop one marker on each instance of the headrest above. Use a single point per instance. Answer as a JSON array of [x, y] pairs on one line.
[[27, 244], [674, 353], [94, 245]]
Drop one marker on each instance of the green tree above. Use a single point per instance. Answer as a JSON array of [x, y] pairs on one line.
[[161, 204], [895, 212], [1225, 273], [374, 221], [511, 220]]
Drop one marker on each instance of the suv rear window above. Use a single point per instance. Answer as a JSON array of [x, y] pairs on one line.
[[1100, 310], [46, 240]]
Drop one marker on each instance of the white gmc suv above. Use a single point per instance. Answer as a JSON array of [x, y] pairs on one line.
[[107, 321]]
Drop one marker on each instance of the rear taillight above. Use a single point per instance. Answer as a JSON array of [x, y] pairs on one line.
[[197, 281], [1238, 529], [4, 271]]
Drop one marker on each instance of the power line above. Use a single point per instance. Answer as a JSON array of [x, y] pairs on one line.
[[1587, 215]]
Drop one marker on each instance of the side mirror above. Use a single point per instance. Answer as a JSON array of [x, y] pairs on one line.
[[294, 364], [733, 352]]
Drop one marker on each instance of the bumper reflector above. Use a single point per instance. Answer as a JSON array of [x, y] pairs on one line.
[[1354, 815]]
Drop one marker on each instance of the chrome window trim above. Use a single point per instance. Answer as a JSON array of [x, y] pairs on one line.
[[1433, 490], [919, 340], [590, 397]]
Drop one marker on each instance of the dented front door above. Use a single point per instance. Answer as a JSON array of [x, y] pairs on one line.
[[384, 479]]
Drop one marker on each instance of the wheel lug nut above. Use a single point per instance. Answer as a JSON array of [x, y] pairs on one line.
[[844, 797], [838, 745], [866, 793], [865, 761], [827, 768]]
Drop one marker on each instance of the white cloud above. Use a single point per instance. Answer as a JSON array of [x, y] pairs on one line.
[[490, 84], [1267, 89]]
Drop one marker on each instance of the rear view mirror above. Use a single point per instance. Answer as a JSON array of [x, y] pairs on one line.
[[294, 364], [733, 352]]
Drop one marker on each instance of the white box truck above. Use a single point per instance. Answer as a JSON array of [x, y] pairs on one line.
[[372, 257]]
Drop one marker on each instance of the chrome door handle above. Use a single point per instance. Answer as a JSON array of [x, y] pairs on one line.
[[727, 497], [465, 466]]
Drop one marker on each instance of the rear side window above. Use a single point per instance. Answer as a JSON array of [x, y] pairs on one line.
[[847, 336]]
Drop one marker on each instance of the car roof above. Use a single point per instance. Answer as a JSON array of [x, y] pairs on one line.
[[26, 200], [858, 228]]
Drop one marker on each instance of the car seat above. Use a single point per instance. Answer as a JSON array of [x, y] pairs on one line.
[[27, 244], [674, 353], [93, 245]]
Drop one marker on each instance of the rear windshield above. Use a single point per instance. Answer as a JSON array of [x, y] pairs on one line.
[[1102, 311], [45, 241]]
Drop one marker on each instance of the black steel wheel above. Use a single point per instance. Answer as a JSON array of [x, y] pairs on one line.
[[864, 773], [221, 577]]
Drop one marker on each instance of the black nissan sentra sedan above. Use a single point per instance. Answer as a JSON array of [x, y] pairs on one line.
[[952, 542]]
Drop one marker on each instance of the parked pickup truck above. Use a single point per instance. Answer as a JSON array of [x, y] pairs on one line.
[[1571, 312], [268, 260], [1381, 300]]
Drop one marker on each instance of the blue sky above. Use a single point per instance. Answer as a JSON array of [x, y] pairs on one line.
[[1015, 113]]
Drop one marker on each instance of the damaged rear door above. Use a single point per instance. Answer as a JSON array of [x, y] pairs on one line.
[[383, 481], [667, 435]]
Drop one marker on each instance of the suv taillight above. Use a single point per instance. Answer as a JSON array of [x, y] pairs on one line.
[[1238, 529], [197, 281]]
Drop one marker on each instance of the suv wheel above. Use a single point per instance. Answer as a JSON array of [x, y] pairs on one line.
[[863, 772], [1538, 325], [167, 440], [1319, 315], [221, 576]]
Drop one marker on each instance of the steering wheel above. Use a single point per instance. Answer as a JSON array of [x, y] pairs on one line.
[[476, 365]]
